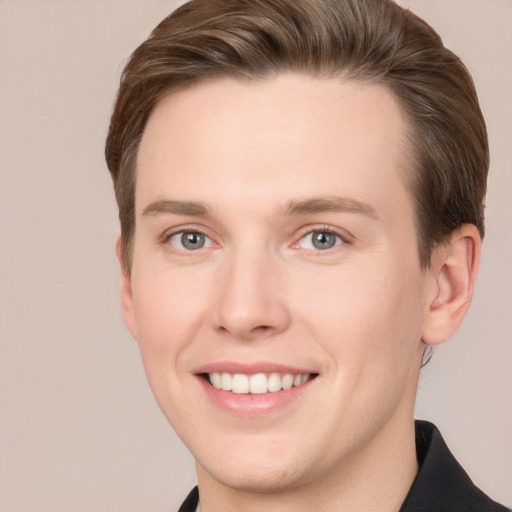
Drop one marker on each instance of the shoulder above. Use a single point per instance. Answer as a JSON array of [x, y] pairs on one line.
[[441, 483]]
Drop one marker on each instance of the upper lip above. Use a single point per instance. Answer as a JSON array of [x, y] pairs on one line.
[[251, 368]]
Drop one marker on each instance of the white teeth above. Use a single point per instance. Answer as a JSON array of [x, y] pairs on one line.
[[256, 384], [226, 382], [216, 380], [274, 383], [240, 383], [287, 381]]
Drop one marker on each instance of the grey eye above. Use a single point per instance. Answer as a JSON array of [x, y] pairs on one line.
[[320, 240], [189, 240], [192, 241], [323, 240]]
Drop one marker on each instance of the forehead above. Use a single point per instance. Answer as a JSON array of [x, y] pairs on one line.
[[280, 138]]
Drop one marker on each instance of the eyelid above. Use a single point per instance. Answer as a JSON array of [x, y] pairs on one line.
[[192, 228], [177, 230], [345, 237], [207, 241]]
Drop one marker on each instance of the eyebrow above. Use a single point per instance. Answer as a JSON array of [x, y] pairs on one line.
[[329, 204], [323, 204], [176, 208]]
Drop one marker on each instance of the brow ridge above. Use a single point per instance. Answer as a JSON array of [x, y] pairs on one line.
[[327, 204], [176, 207], [309, 206]]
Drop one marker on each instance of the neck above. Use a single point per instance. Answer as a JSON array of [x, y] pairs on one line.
[[375, 479]]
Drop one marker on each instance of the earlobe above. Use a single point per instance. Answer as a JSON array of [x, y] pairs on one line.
[[126, 291], [454, 267]]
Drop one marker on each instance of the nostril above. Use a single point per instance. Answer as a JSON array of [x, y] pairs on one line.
[[249, 333], [261, 328]]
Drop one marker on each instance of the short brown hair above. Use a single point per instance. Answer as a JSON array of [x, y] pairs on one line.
[[374, 41]]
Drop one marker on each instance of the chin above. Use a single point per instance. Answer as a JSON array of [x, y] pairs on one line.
[[262, 471], [261, 480]]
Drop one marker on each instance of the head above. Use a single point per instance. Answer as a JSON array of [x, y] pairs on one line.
[[369, 41], [300, 186]]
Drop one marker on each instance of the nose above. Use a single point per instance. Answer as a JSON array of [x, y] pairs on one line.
[[251, 300]]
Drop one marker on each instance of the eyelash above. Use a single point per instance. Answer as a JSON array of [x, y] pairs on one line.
[[166, 239], [342, 239]]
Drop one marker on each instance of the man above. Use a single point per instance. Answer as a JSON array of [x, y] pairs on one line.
[[300, 187]]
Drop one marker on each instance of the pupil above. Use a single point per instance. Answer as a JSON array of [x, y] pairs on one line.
[[192, 241], [324, 240]]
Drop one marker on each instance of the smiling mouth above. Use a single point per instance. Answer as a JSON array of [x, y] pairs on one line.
[[258, 383]]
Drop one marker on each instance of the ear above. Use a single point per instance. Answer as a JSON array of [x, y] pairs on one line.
[[126, 291], [454, 267]]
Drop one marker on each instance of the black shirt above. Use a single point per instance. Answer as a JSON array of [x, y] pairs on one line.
[[441, 484]]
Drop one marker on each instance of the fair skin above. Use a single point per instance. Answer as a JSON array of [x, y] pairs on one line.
[[275, 234]]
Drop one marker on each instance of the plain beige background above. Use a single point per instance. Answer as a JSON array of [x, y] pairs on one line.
[[79, 429]]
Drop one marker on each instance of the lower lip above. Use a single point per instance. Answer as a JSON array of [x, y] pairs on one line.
[[253, 405]]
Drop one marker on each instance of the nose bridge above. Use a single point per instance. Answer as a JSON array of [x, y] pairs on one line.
[[250, 303]]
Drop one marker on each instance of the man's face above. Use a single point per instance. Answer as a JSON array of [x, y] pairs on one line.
[[275, 243]]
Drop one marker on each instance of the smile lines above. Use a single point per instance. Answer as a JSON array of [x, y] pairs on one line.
[[256, 384]]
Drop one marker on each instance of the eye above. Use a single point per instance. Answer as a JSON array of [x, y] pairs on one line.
[[189, 240], [321, 240]]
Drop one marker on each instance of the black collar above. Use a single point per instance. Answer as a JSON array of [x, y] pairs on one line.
[[190, 504], [441, 484]]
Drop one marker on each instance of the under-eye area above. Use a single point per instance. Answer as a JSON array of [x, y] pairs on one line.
[[258, 383]]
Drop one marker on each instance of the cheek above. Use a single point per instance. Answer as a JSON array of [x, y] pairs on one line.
[[366, 320], [368, 325], [168, 311], [167, 306]]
